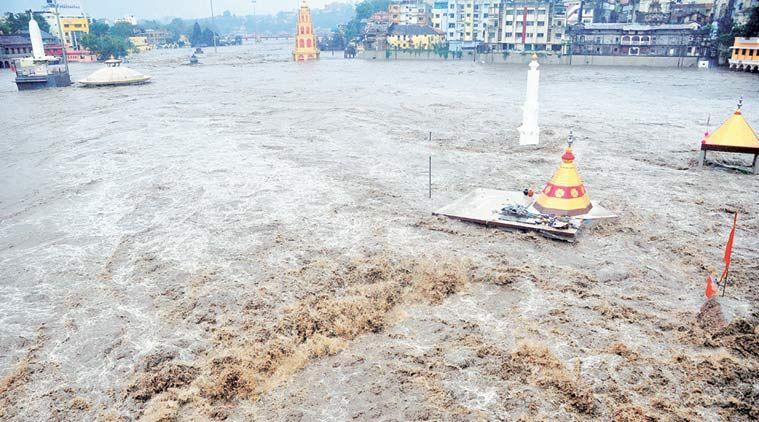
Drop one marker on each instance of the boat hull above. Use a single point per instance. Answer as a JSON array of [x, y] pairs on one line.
[[35, 82]]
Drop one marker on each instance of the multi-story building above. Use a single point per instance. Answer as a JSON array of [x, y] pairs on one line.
[[74, 28], [157, 37], [573, 12], [558, 38], [409, 12], [376, 31], [699, 13], [74, 21], [467, 23], [130, 19], [622, 39], [414, 37], [745, 54], [140, 43], [532, 25], [743, 10]]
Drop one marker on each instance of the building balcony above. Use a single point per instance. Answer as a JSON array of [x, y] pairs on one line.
[[738, 63]]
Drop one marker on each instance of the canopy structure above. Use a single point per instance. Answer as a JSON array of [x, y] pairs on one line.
[[565, 193], [735, 135]]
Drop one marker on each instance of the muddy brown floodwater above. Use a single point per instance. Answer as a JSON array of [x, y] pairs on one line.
[[252, 239]]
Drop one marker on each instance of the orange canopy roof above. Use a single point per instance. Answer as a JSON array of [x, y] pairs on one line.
[[735, 132]]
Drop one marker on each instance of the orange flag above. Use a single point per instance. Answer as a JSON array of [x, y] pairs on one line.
[[710, 291], [729, 248]]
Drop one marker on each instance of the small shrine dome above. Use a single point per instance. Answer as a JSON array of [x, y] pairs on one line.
[[114, 74], [565, 193]]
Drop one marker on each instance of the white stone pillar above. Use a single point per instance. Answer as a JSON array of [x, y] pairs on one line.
[[529, 132]]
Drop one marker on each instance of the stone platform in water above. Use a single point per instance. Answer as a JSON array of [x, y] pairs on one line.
[[483, 206]]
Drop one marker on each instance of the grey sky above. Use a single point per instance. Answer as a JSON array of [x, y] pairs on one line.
[[161, 8]]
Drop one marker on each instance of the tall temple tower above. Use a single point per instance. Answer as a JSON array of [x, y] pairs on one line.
[[305, 40]]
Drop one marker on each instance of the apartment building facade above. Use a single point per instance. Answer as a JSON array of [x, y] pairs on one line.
[[410, 12]]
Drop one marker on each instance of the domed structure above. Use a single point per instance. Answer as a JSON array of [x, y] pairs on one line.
[[113, 75], [565, 194]]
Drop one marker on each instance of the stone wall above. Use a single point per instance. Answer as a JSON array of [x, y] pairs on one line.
[[551, 59]]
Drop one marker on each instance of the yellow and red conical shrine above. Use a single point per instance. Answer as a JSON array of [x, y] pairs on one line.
[[305, 40], [565, 194]]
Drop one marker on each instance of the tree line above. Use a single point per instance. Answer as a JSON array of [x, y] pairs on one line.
[[19, 22]]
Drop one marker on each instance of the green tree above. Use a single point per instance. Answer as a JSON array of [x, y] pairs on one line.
[[98, 28], [751, 28], [726, 33], [122, 30], [107, 45], [364, 10], [196, 38], [20, 22], [208, 37]]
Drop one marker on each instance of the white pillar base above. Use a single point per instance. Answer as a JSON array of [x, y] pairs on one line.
[[529, 136]]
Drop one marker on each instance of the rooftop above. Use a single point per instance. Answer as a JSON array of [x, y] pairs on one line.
[[22, 38]]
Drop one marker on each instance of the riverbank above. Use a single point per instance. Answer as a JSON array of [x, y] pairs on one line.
[[524, 58]]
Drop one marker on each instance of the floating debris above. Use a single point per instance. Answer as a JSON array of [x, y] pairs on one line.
[[560, 211]]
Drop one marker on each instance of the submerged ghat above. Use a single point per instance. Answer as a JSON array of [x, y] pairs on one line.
[[252, 238]]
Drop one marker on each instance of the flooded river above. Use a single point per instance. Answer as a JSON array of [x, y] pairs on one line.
[[166, 227]]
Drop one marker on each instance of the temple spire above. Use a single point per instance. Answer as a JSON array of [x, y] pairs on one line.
[[305, 40]]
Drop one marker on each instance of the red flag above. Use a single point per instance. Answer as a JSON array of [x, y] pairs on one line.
[[710, 291], [729, 248]]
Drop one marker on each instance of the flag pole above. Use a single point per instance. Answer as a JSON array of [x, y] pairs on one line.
[[729, 254]]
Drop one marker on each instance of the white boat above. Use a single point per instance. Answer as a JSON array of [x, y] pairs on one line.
[[114, 75]]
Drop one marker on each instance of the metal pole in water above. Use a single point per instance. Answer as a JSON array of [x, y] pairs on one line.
[[61, 34], [213, 23], [430, 179]]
